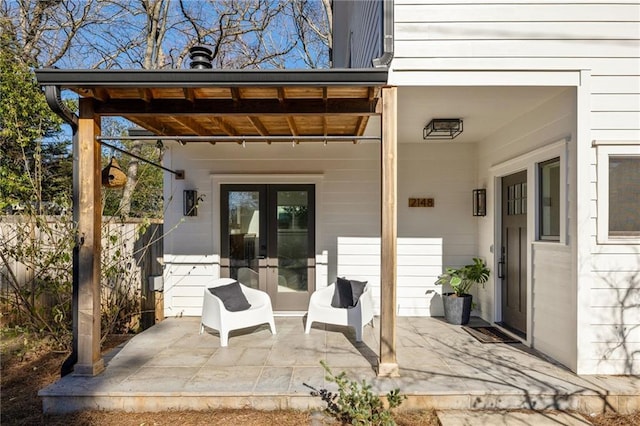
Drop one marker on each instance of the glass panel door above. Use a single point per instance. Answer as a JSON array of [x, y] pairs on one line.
[[244, 233], [268, 240], [291, 251]]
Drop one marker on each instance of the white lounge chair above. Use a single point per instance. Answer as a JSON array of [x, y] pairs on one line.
[[320, 310], [217, 317]]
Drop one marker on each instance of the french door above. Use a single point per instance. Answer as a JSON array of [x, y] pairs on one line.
[[513, 259], [268, 240]]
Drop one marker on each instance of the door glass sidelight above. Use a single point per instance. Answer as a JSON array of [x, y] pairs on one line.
[[245, 232], [292, 240]]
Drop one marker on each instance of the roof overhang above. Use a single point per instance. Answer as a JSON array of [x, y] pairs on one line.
[[327, 102]]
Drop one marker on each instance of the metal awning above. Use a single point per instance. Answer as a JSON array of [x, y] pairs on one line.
[[252, 103]]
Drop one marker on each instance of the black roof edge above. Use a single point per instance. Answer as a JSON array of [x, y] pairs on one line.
[[211, 78]]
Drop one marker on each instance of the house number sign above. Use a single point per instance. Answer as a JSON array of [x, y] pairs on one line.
[[421, 202]]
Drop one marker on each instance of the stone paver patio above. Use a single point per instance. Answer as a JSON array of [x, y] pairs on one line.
[[171, 366]]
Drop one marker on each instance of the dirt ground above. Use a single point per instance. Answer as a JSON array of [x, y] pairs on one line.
[[28, 367]]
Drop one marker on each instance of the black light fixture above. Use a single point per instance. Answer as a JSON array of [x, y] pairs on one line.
[[442, 128], [190, 207], [480, 202]]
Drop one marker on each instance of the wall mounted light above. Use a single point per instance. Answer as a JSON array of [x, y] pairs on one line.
[[190, 206], [442, 128], [479, 202]]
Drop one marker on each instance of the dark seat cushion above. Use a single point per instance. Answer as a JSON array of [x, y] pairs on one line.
[[232, 296], [342, 295], [347, 292], [357, 288]]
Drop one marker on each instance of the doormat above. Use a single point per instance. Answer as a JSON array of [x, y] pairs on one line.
[[489, 334]]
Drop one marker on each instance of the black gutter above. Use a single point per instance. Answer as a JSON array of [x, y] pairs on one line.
[[387, 33], [54, 100], [211, 78]]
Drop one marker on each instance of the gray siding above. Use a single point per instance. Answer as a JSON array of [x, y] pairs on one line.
[[357, 33]]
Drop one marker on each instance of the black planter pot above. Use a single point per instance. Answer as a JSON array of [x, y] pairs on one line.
[[457, 309]]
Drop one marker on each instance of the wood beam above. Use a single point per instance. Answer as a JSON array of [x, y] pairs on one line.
[[192, 125], [293, 128], [226, 127], [235, 95], [361, 125], [100, 94], [87, 202], [225, 107], [146, 95], [259, 126], [151, 125], [189, 94], [388, 365]]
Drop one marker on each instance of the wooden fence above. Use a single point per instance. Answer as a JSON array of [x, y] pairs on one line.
[[143, 249]]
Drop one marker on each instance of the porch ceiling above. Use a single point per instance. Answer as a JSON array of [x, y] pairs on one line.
[[231, 103]]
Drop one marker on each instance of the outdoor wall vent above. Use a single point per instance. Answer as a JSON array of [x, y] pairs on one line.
[[442, 128], [201, 57]]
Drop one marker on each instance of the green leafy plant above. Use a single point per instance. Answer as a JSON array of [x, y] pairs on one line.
[[462, 279], [354, 402]]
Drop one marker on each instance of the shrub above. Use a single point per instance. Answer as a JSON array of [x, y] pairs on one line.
[[354, 402]]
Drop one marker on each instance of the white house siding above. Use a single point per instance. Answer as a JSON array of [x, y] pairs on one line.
[[601, 37], [447, 173], [419, 264], [552, 286], [185, 278], [553, 304], [347, 204]]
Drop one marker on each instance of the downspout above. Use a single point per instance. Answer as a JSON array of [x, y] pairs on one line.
[[54, 100], [387, 33]]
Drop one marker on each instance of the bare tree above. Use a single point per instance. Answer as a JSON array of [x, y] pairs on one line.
[[46, 29], [157, 34], [313, 23]]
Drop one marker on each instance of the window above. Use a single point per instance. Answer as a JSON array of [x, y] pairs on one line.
[[624, 196], [549, 200], [618, 192]]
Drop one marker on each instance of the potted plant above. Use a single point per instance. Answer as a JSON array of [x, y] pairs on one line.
[[457, 305]]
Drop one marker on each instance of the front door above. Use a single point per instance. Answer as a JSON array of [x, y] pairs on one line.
[[513, 259], [268, 240]]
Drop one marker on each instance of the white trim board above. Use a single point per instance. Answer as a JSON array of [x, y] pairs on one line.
[[484, 78]]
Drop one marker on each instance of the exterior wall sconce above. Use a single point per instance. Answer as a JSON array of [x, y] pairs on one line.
[[442, 128], [190, 206], [479, 202]]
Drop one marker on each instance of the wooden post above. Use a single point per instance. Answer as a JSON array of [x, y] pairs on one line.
[[388, 252], [87, 203]]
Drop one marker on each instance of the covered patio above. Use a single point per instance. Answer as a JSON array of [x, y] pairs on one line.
[[171, 366], [213, 107]]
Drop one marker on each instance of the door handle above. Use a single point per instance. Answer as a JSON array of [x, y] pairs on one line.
[[501, 264]]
